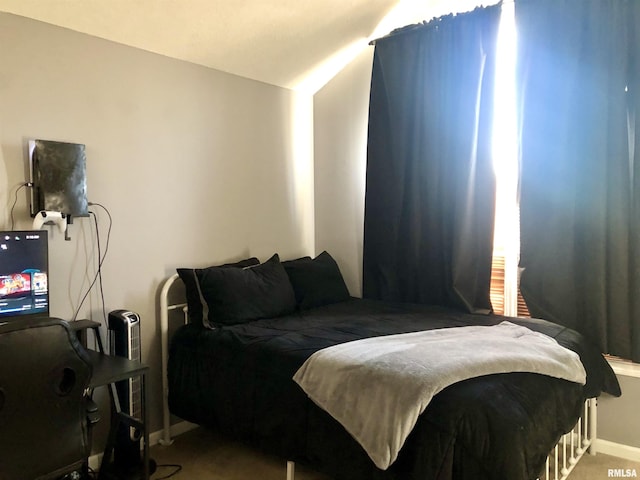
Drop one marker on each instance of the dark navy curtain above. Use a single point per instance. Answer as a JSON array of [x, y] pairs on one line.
[[578, 78], [430, 188]]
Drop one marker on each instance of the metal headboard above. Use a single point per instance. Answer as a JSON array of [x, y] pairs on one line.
[[167, 305]]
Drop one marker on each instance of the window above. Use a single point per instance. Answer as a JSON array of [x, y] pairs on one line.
[[505, 295]]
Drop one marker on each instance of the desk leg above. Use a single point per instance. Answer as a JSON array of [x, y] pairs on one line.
[[114, 420], [145, 461], [119, 418]]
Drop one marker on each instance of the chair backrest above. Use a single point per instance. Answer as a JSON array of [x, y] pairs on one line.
[[44, 372]]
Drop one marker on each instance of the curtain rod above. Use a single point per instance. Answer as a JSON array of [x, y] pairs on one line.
[[433, 22]]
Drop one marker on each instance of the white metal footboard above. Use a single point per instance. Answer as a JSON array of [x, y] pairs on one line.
[[565, 455], [573, 445]]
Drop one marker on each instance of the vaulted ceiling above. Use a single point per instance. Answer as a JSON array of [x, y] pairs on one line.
[[297, 44]]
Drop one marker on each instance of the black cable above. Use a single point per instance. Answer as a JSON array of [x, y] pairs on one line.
[[101, 258], [95, 221], [95, 278], [177, 469], [106, 249], [15, 201]]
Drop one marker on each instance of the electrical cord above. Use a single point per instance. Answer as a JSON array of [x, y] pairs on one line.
[[95, 221], [101, 257], [177, 467], [106, 249], [15, 201]]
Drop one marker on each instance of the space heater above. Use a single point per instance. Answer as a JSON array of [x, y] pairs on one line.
[[124, 341]]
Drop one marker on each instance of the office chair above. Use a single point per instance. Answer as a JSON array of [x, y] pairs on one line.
[[44, 375]]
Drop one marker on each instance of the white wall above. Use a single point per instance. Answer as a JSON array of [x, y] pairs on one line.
[[618, 419], [341, 110], [195, 166]]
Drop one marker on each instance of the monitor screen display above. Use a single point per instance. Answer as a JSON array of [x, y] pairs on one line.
[[24, 265]]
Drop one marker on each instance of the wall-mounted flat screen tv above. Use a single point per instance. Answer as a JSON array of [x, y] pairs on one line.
[[24, 274], [58, 173]]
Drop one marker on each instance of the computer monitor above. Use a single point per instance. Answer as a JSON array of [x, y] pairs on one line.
[[24, 274]]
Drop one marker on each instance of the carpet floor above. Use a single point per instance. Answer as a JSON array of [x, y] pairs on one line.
[[204, 455]]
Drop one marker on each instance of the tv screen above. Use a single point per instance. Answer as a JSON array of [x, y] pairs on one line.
[[24, 265]]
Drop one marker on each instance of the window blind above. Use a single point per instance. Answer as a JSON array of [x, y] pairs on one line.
[[497, 288]]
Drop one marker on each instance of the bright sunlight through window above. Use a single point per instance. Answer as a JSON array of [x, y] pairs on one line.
[[505, 158]]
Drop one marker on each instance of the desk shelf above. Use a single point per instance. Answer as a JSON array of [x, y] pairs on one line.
[[110, 369]]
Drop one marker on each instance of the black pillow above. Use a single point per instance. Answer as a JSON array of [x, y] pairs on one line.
[[194, 303], [317, 281], [235, 295]]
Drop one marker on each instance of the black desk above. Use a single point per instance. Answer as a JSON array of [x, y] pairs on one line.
[[108, 369]]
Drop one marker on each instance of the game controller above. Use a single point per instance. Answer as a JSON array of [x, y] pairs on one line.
[[45, 217]]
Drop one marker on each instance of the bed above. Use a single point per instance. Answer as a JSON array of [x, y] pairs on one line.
[[251, 326]]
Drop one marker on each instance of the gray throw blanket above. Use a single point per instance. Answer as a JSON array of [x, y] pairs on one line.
[[377, 387]]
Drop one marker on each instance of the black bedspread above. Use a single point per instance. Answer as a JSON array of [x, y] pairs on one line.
[[237, 379]]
